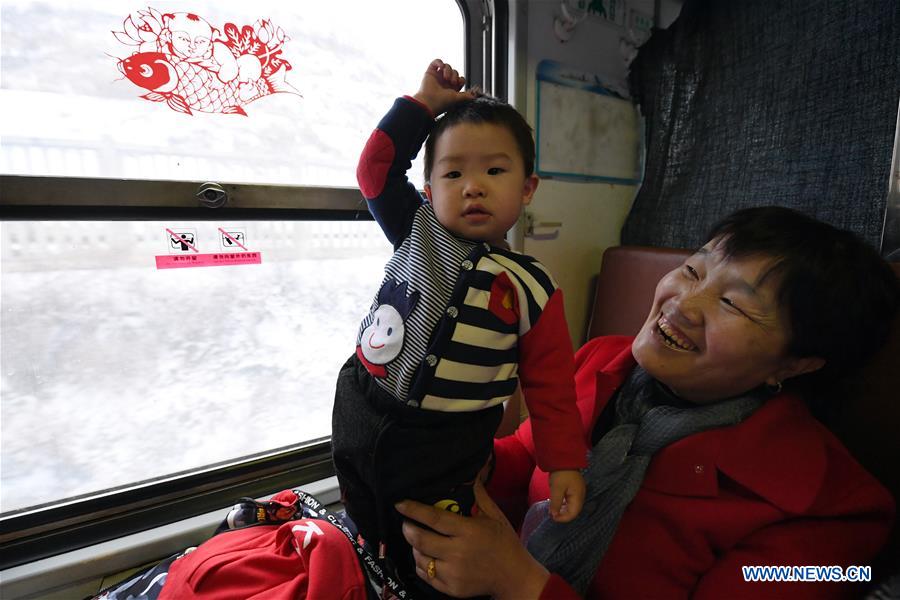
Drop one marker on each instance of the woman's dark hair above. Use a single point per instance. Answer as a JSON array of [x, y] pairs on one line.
[[484, 109], [840, 295]]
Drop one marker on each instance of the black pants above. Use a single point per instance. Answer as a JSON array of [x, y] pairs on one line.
[[385, 451]]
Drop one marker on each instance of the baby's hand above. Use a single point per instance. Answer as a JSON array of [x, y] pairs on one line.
[[440, 87], [567, 492]]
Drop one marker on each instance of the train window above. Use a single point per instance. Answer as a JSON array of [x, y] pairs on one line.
[[133, 395], [251, 92]]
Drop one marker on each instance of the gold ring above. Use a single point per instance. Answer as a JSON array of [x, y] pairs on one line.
[[431, 571]]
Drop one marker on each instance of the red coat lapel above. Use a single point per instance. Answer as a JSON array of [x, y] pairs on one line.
[[778, 453], [787, 463]]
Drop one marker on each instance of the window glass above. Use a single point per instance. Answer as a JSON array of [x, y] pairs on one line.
[[116, 371], [102, 88]]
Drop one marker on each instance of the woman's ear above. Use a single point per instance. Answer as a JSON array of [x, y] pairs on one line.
[[428, 193], [530, 187], [793, 367]]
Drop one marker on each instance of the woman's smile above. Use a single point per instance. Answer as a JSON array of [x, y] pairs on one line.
[[673, 337]]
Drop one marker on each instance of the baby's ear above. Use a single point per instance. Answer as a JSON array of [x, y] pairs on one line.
[[428, 193], [530, 187]]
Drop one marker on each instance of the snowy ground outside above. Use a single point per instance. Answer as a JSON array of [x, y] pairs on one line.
[[120, 374]]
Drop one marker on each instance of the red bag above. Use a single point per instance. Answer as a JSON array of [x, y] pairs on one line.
[[306, 558]]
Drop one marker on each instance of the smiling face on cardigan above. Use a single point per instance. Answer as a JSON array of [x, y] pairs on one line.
[[716, 328]]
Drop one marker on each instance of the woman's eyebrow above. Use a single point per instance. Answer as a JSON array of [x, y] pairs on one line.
[[751, 289], [702, 252], [747, 287]]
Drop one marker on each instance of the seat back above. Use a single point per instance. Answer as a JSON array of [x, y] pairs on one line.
[[624, 288], [869, 425]]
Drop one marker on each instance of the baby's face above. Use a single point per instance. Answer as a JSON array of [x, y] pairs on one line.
[[478, 181]]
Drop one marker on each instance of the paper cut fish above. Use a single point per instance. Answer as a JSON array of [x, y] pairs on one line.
[[184, 61]]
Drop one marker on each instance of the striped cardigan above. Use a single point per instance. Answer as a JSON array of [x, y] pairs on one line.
[[457, 324]]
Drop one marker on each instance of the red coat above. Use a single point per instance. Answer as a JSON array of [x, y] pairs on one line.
[[777, 489]]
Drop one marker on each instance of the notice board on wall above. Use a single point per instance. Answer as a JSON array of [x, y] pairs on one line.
[[586, 131]]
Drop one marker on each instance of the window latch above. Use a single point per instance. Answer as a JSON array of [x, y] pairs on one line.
[[212, 195]]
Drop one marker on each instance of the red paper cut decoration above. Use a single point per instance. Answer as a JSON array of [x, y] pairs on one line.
[[185, 62]]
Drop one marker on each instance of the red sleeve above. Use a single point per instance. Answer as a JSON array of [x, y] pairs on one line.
[[387, 157], [547, 374], [513, 467], [558, 589]]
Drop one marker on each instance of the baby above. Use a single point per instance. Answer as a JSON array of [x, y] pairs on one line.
[[458, 323]]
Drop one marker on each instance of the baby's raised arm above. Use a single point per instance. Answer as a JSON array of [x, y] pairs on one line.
[[440, 87]]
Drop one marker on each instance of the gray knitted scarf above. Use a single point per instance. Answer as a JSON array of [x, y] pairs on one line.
[[648, 418]]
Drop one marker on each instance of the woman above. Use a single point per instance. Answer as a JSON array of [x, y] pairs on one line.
[[724, 465]]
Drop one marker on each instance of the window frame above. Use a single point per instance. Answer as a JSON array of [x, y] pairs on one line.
[[38, 532]]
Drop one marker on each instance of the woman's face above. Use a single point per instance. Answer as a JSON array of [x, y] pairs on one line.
[[715, 329]]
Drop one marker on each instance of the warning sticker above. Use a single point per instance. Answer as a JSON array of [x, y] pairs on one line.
[[232, 239], [184, 250], [209, 260], [182, 241]]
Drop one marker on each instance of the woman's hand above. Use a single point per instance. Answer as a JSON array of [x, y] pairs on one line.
[[478, 555], [440, 87]]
